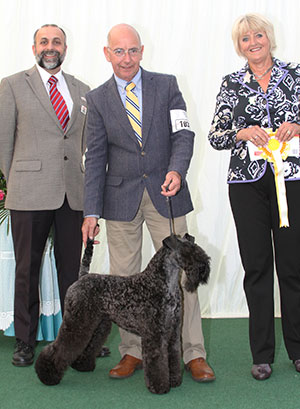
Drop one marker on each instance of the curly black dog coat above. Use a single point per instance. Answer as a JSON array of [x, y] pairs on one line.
[[148, 304]]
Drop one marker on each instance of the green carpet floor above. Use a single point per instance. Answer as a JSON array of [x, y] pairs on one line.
[[228, 353]]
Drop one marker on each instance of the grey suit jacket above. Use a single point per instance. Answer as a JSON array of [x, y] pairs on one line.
[[40, 163], [117, 168]]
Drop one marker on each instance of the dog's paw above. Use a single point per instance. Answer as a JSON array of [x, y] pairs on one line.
[[84, 364], [175, 381], [46, 370], [158, 387]]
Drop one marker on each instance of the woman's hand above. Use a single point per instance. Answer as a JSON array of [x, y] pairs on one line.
[[287, 131], [255, 134]]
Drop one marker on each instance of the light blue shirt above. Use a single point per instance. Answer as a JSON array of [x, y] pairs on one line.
[[137, 80]]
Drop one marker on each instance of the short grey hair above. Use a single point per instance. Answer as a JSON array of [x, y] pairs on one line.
[[49, 25], [255, 22]]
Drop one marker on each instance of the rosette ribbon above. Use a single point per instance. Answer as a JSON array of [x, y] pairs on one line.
[[276, 152]]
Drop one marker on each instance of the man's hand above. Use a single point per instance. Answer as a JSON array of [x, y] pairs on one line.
[[172, 183], [90, 229]]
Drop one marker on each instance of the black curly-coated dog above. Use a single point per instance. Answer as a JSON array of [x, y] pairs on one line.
[[148, 304]]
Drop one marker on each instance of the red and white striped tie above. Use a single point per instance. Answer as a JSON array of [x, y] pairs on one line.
[[59, 104]]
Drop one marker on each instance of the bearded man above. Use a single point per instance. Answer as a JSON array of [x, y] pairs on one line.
[[42, 139]]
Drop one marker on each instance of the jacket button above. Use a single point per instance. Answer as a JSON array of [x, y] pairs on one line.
[[143, 153], [145, 176], [65, 158]]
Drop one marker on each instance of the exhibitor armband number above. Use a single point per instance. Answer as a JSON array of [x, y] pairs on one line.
[[179, 120]]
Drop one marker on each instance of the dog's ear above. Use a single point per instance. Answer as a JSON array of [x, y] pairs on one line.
[[189, 238], [171, 242]]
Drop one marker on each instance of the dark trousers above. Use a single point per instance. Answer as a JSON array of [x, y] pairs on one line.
[[30, 230], [255, 210]]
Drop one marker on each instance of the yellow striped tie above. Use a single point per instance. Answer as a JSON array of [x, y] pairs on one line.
[[133, 111]]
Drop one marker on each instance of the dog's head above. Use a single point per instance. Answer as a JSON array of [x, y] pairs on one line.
[[191, 258]]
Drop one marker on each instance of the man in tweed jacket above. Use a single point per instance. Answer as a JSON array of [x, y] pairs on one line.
[[127, 180], [43, 167]]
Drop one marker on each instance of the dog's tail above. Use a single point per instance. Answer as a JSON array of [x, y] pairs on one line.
[[86, 259]]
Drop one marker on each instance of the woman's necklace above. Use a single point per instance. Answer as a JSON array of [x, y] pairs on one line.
[[259, 77]]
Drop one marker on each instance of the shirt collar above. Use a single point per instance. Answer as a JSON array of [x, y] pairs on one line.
[[137, 79], [45, 75]]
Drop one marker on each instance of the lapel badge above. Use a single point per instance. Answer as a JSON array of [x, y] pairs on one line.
[[83, 109]]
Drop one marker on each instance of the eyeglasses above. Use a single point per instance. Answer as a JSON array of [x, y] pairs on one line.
[[120, 52]]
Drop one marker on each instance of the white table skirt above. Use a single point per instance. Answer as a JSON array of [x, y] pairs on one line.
[[50, 311]]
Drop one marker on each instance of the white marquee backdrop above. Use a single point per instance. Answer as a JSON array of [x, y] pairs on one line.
[[191, 39]]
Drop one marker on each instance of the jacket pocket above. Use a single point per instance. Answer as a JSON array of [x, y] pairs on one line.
[[28, 165], [113, 180]]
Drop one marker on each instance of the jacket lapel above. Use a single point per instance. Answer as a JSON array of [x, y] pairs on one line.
[[73, 89], [34, 80], [278, 74], [149, 92], [117, 109]]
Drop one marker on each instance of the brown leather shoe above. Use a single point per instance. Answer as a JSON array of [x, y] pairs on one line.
[[126, 367], [200, 370]]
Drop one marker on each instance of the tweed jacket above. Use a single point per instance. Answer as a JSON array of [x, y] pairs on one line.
[[40, 163], [117, 168], [241, 103]]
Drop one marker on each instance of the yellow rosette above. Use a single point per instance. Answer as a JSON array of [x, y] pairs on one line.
[[276, 152]]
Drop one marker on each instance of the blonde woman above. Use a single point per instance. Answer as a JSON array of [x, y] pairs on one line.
[[260, 98]]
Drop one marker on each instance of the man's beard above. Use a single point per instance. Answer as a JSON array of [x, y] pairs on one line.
[[56, 62]]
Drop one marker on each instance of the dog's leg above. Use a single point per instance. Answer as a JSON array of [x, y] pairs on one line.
[[175, 357], [49, 371], [155, 364], [87, 360], [57, 356]]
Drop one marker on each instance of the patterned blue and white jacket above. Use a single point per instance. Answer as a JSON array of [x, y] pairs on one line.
[[241, 103]]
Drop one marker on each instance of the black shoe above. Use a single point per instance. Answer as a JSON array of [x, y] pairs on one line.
[[261, 372], [23, 354], [104, 352], [297, 364]]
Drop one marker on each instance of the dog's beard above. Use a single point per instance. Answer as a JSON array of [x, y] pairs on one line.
[[50, 65]]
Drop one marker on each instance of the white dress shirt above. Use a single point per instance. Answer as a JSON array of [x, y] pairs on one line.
[[61, 86]]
